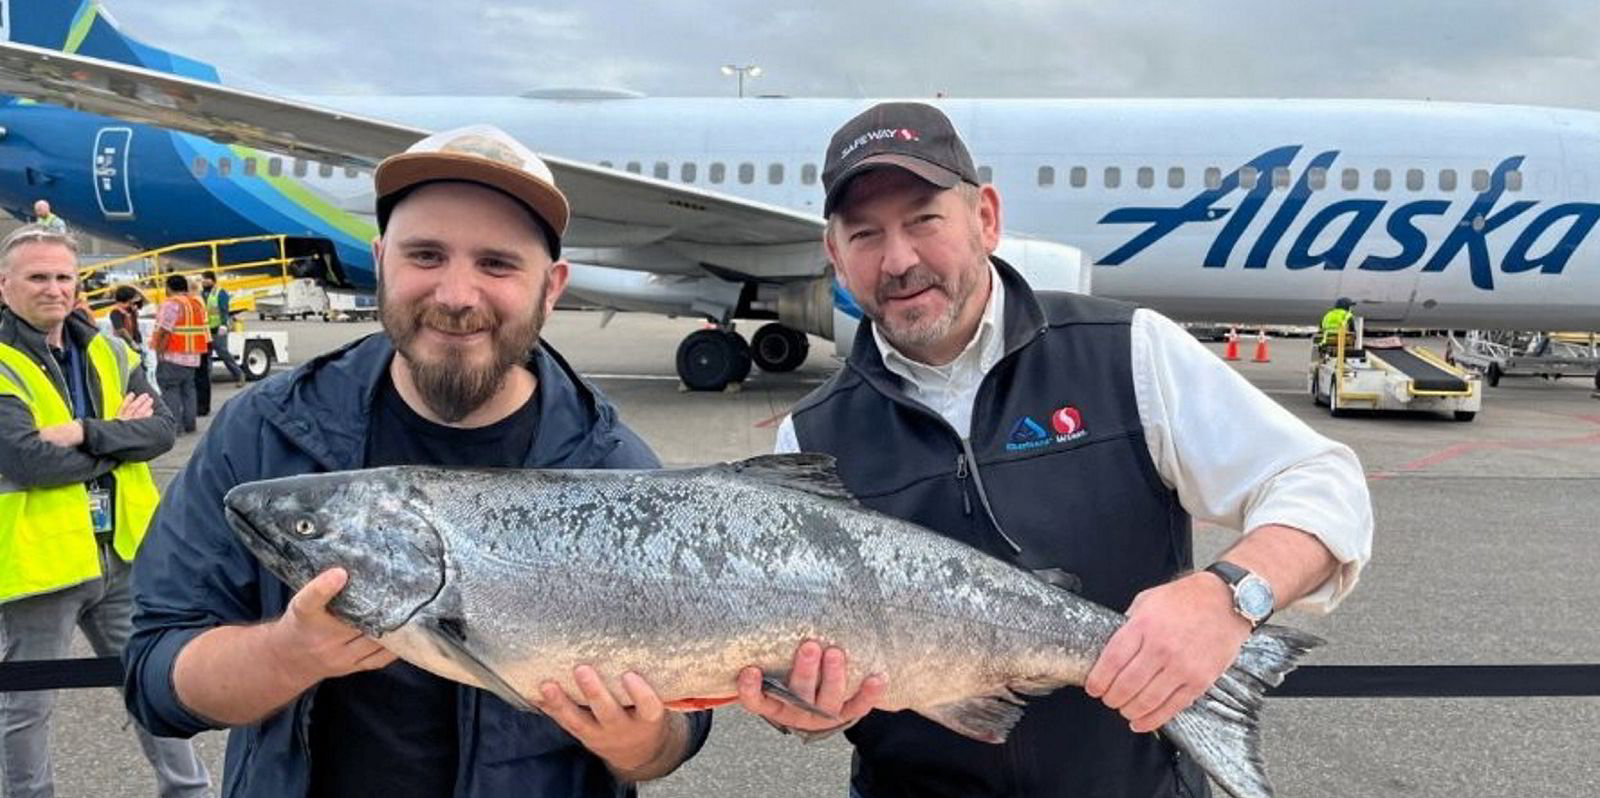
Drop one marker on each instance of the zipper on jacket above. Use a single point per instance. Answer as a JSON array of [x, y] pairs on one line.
[[961, 478], [971, 460]]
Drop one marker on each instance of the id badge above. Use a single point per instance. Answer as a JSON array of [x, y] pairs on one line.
[[100, 509]]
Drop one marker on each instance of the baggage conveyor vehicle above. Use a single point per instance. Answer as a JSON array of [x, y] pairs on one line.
[[1355, 373]]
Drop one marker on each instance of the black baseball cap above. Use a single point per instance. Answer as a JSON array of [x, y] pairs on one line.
[[916, 137]]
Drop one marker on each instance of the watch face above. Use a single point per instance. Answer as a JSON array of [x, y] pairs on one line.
[[1255, 598]]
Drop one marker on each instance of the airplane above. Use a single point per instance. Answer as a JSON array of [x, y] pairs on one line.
[[1428, 214]]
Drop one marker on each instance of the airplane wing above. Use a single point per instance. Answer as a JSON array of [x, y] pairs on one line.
[[610, 208]]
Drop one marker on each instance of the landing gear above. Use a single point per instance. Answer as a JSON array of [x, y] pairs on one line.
[[777, 348], [708, 360]]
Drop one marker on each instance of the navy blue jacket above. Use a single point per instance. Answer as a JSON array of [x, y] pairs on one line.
[[192, 574]]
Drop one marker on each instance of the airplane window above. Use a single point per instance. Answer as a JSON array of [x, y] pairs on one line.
[[686, 172], [1047, 175], [808, 174], [1447, 180], [325, 170], [275, 166], [985, 174], [1414, 180], [662, 170], [747, 173], [1079, 177], [224, 166], [775, 173], [1248, 177], [1175, 177], [1213, 177], [1280, 177], [299, 167], [1146, 177], [634, 167], [1480, 180], [1350, 180], [1380, 180], [350, 172], [249, 167], [1113, 177], [199, 167], [1317, 178], [717, 172]]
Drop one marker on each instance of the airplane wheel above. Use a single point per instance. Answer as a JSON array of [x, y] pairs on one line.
[[777, 348], [1492, 376], [710, 359]]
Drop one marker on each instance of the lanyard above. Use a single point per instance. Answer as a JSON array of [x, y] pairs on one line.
[[77, 387]]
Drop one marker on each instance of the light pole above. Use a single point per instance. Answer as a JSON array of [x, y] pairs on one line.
[[749, 69]]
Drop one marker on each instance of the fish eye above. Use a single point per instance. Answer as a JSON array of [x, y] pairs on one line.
[[305, 528]]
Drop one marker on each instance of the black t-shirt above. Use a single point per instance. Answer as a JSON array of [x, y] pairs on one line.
[[392, 733]]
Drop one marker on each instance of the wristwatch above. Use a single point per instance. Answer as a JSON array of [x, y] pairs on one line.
[[1252, 596]]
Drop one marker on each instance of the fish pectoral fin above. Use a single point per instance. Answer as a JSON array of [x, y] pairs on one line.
[[451, 638], [772, 687], [813, 473], [986, 718]]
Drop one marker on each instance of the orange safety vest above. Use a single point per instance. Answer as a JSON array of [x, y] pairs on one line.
[[190, 336]]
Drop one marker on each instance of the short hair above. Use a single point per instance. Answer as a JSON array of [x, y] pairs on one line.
[[34, 234], [208, 275], [177, 282], [125, 293]]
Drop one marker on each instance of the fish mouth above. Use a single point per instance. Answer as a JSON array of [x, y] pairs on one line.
[[277, 554]]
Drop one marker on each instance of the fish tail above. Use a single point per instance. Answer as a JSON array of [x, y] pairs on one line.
[[1222, 729]]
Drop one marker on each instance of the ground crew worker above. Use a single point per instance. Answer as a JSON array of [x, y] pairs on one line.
[[469, 248], [218, 317], [1069, 435], [43, 217], [180, 338], [1337, 318], [77, 427]]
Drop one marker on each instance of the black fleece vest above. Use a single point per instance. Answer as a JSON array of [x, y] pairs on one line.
[[1058, 461]]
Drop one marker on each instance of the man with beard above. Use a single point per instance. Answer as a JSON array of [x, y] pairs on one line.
[[470, 232], [1072, 436]]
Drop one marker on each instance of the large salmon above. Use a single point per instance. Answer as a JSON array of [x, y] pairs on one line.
[[504, 579]]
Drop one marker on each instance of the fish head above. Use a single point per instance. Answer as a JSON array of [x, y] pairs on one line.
[[375, 524]]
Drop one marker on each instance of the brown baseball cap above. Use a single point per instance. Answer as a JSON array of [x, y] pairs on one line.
[[916, 137], [482, 154]]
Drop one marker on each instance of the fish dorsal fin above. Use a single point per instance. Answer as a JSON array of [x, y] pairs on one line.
[[813, 473]]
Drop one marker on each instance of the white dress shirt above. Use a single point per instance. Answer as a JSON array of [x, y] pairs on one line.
[[1236, 458]]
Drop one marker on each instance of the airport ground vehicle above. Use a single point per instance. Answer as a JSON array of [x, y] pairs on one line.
[[1506, 353], [1357, 373]]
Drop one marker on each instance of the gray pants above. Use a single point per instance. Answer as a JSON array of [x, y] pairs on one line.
[[219, 350], [177, 390], [40, 628]]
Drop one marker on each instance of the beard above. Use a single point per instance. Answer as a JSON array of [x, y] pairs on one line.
[[456, 382], [920, 328]]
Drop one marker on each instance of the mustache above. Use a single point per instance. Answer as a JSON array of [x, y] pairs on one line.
[[461, 321], [914, 280]]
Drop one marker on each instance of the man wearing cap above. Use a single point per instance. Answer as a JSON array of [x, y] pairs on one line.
[[1337, 318], [468, 254], [1075, 437]]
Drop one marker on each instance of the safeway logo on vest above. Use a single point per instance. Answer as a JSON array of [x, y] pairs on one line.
[[1068, 424]]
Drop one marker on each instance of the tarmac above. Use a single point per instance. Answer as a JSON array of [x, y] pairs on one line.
[[1485, 553]]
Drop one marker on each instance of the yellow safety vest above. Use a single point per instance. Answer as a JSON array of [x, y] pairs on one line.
[[214, 308], [46, 535], [1332, 322]]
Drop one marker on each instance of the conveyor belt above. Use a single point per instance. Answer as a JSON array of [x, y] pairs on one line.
[[1424, 375]]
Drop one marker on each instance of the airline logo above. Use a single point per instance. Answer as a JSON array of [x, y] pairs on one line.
[[902, 133], [1483, 233]]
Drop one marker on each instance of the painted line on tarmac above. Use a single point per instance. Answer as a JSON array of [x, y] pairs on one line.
[[1452, 452], [650, 377]]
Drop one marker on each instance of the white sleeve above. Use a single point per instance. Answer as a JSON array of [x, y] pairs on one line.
[[787, 442], [1240, 460]]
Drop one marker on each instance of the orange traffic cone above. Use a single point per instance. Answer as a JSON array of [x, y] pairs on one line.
[[1231, 350], [1261, 348]]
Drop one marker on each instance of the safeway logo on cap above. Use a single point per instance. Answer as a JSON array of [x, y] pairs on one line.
[[903, 133], [1068, 424]]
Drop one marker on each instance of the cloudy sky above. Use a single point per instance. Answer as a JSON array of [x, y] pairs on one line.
[[1526, 51]]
